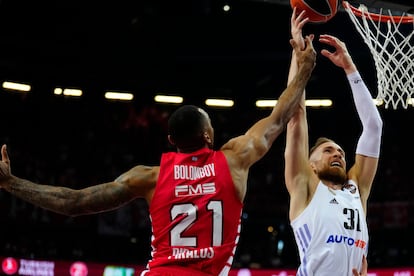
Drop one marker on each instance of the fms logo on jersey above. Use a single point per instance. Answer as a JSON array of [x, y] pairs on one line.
[[347, 241]]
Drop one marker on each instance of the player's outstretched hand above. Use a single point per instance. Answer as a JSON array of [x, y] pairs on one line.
[[340, 56], [5, 171], [307, 57]]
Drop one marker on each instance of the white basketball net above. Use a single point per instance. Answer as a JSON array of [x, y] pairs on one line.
[[392, 46]]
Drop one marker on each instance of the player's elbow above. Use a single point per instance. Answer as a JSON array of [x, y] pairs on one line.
[[70, 210], [374, 126]]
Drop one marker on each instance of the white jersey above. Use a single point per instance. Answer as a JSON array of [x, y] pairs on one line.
[[331, 233]]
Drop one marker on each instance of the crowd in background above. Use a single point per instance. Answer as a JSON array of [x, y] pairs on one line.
[[77, 143]]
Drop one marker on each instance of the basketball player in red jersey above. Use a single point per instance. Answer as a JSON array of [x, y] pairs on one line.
[[328, 204], [195, 195]]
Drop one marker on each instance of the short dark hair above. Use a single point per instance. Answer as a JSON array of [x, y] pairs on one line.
[[319, 142], [186, 126]]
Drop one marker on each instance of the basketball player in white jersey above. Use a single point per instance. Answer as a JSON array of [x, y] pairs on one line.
[[328, 204]]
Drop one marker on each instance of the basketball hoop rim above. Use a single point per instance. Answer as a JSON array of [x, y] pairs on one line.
[[378, 17]]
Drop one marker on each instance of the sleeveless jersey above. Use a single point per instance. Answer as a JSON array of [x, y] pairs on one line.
[[195, 214], [331, 233]]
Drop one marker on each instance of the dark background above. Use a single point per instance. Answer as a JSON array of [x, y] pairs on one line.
[[187, 48]]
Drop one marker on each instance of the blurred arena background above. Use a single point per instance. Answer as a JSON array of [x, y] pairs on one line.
[[193, 49]]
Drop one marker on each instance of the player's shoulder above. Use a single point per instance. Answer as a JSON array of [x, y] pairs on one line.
[[145, 168], [144, 173]]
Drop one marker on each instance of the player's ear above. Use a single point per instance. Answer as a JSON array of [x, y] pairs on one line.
[[312, 165], [207, 138], [171, 140]]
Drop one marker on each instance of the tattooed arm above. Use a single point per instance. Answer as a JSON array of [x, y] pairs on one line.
[[137, 182]]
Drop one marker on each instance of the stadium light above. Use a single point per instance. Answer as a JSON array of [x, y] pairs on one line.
[[16, 86]]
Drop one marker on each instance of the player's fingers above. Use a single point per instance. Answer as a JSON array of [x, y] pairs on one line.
[[302, 22], [355, 272], [293, 16], [327, 39], [301, 15], [309, 41], [293, 43], [4, 155], [326, 53], [326, 36]]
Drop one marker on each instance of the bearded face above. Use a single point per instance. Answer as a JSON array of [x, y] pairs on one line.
[[328, 162], [332, 172]]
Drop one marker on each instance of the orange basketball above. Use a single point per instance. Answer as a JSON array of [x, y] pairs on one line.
[[318, 11]]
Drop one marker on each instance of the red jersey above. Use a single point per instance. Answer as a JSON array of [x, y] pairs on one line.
[[195, 214]]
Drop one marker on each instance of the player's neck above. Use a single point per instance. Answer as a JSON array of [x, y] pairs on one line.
[[332, 185]]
